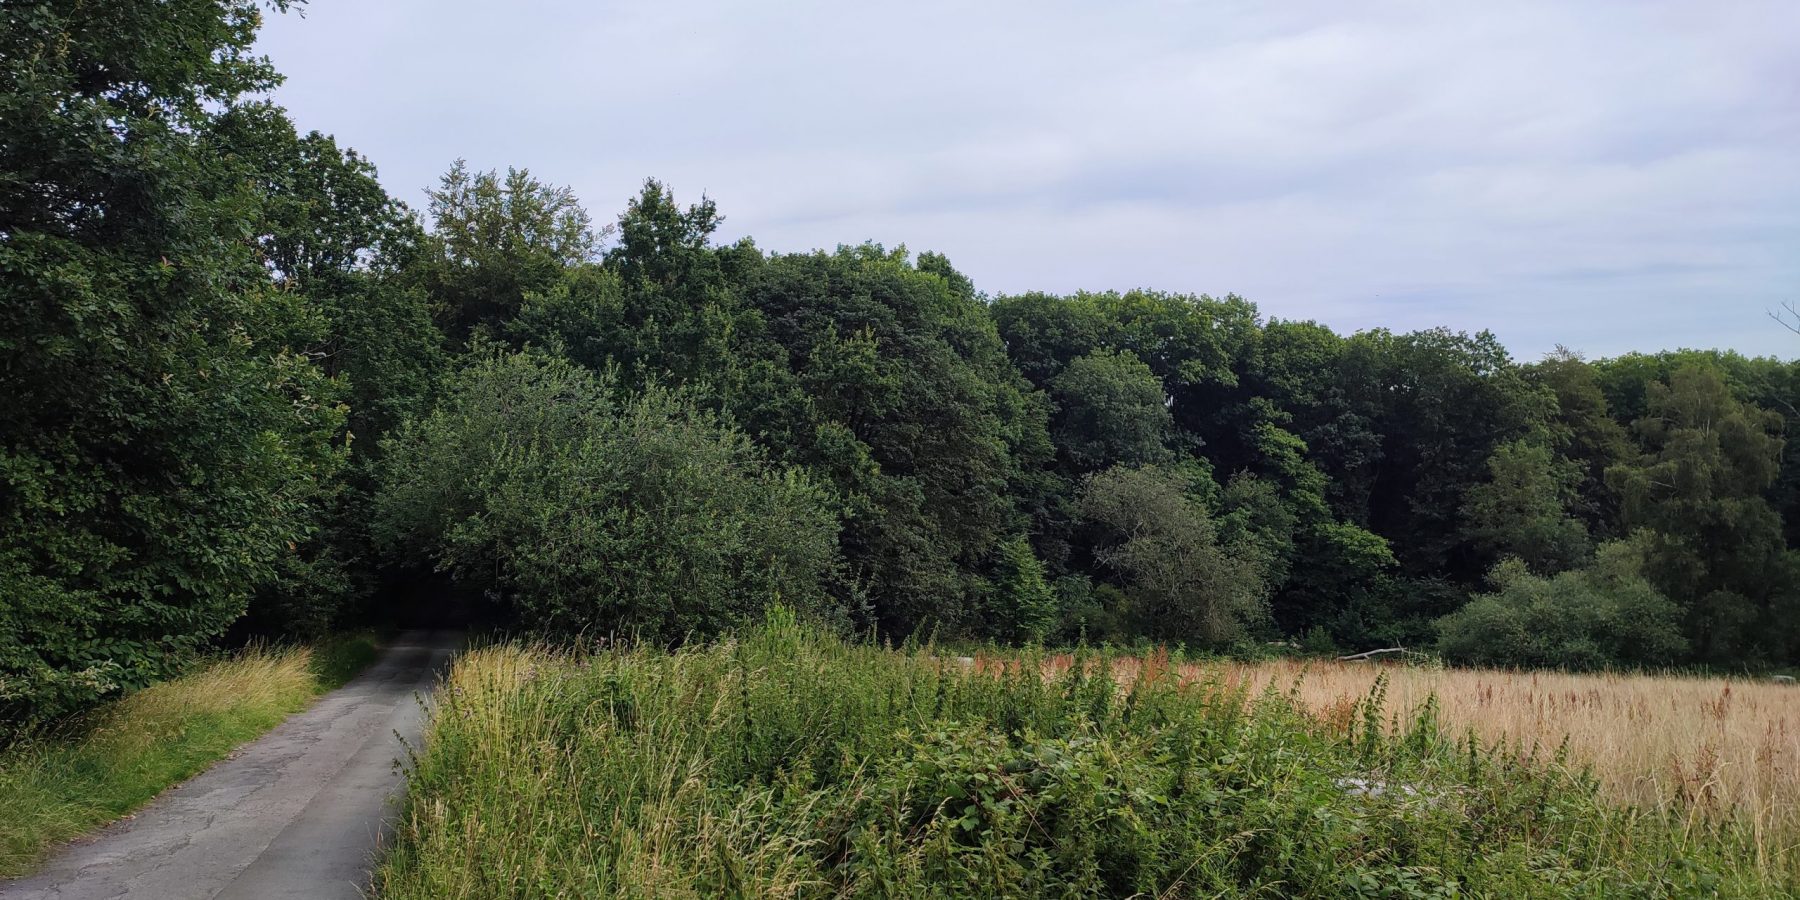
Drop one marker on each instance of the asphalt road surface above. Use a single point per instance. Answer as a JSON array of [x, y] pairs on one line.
[[300, 812]]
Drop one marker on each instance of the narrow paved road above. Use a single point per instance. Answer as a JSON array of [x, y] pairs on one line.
[[299, 812]]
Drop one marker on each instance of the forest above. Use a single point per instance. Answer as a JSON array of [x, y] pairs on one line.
[[248, 391]]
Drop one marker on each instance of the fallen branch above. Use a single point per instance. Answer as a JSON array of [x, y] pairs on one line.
[[1368, 654]]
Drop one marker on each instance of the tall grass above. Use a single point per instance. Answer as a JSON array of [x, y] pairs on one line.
[[1691, 748], [58, 784], [1695, 750], [790, 764]]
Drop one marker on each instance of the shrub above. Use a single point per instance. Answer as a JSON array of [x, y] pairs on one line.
[[1601, 616], [596, 512], [1318, 642]]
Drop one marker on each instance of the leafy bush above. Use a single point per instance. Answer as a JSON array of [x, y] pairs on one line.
[[1604, 615], [595, 512], [1318, 642]]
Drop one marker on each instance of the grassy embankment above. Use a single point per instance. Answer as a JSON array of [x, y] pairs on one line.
[[790, 764], [89, 771]]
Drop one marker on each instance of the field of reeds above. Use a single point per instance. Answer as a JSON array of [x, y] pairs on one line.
[[70, 778], [790, 763]]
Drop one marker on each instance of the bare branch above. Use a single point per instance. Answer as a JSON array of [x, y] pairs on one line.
[[1371, 653], [1788, 316]]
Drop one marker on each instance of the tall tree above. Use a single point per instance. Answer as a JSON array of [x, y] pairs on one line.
[[1716, 546], [347, 254], [495, 239], [165, 439], [1442, 401], [1110, 409], [1523, 509], [1583, 430], [887, 375], [1185, 584]]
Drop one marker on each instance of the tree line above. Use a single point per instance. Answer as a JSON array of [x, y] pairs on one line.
[[247, 388]]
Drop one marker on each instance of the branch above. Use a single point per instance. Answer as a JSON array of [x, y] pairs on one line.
[[1371, 653], [1789, 308]]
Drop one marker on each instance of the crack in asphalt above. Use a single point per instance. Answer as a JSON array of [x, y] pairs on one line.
[[300, 812]]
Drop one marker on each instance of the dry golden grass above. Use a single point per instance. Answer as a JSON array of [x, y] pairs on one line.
[[1696, 749], [274, 679]]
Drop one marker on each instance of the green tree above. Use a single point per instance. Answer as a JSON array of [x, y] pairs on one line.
[[1346, 582], [665, 247], [582, 313], [1043, 332], [1309, 375], [1184, 583], [1110, 410], [1253, 517], [1197, 346], [335, 240], [1442, 402], [494, 240], [594, 512], [886, 376], [1522, 511], [877, 372], [1715, 543], [682, 315], [341, 251], [166, 439], [1583, 430], [1388, 433], [1023, 606]]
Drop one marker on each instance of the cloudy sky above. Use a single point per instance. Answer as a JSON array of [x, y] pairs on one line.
[[1609, 176]]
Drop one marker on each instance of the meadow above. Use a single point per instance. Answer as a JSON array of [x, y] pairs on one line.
[[1694, 749], [785, 762]]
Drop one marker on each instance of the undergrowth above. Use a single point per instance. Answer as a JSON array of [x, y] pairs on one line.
[[61, 782], [788, 763]]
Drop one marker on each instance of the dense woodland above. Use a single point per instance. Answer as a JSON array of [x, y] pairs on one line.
[[246, 388]]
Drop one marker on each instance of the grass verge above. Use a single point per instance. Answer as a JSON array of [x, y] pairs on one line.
[[790, 764], [88, 771]]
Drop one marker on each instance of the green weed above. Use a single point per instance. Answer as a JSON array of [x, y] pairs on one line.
[[788, 763]]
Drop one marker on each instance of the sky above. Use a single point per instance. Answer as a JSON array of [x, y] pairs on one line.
[[1607, 176]]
